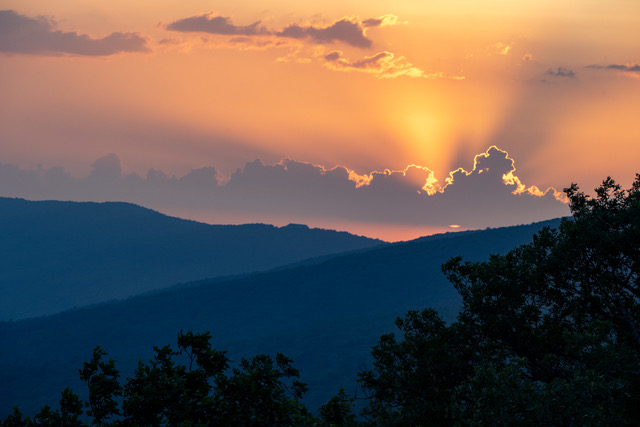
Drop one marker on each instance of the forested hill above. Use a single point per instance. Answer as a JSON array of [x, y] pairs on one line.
[[325, 316], [56, 255]]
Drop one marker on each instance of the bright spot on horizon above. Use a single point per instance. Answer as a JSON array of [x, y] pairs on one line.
[[454, 226]]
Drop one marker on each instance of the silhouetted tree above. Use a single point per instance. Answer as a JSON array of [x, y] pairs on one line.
[[104, 387], [16, 419], [338, 411], [548, 333], [255, 395], [261, 391], [165, 392]]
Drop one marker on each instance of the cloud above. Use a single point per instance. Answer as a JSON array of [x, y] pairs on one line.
[[561, 72], [382, 21], [346, 30], [625, 68], [212, 24], [489, 195], [248, 42], [382, 65], [169, 41], [21, 34], [106, 168], [500, 48], [350, 31], [496, 164]]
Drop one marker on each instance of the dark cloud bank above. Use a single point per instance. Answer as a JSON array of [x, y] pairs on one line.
[[21, 34], [348, 31], [372, 62], [561, 72], [301, 192], [215, 25], [626, 68]]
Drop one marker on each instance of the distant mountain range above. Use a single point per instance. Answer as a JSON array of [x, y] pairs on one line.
[[57, 255], [325, 314]]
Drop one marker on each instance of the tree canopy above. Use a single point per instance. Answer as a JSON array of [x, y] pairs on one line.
[[261, 391], [547, 335]]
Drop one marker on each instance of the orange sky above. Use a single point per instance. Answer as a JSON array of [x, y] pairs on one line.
[[553, 83]]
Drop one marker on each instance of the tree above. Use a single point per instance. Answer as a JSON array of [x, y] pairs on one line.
[[413, 378], [568, 306], [260, 391], [67, 416], [338, 411], [70, 408], [165, 392], [548, 333], [259, 394], [16, 419], [104, 387]]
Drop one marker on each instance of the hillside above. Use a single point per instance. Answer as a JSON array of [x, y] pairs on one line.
[[57, 255], [325, 316]]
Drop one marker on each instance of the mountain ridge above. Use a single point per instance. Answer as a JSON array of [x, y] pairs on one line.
[[325, 316], [55, 255]]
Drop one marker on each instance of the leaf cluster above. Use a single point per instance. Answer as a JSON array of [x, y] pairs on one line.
[[261, 391], [548, 333]]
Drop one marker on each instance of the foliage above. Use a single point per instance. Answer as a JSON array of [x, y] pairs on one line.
[[260, 392], [68, 415], [548, 333], [165, 392], [256, 395], [338, 411], [104, 387], [410, 378]]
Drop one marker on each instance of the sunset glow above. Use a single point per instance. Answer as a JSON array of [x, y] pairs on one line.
[[406, 94]]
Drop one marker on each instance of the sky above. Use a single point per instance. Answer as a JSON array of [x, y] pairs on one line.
[[392, 120]]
